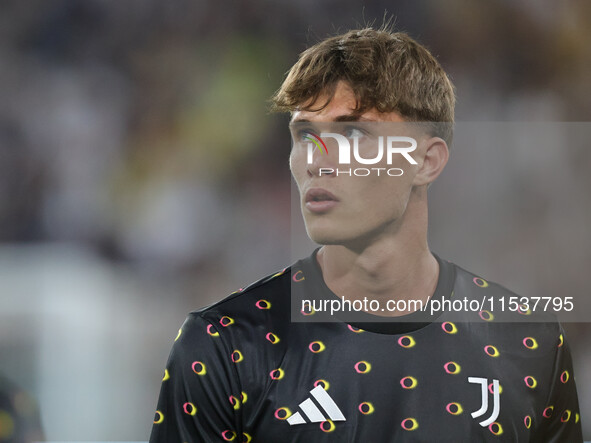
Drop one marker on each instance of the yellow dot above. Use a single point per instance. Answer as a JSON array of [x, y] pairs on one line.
[[362, 367], [237, 356], [530, 382], [451, 367], [282, 413], [331, 426], [530, 343], [235, 402], [496, 428], [277, 374], [409, 424], [199, 368], [190, 408], [491, 351], [449, 327], [158, 418], [316, 347], [226, 321], [366, 408], [480, 282], [454, 408], [408, 382], [323, 383]]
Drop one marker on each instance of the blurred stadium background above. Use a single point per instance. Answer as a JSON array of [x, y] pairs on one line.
[[141, 176]]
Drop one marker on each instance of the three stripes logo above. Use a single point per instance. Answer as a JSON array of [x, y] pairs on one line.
[[313, 413], [483, 382]]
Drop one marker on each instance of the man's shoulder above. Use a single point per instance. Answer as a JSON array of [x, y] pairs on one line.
[[268, 295], [474, 285], [507, 314], [496, 297]]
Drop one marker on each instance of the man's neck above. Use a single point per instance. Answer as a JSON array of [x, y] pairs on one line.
[[397, 267]]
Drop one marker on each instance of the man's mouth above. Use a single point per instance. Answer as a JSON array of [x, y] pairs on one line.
[[320, 200]]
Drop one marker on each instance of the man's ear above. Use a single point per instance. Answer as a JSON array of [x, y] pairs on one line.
[[434, 160]]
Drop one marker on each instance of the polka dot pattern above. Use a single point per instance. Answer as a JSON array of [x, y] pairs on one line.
[[430, 367]]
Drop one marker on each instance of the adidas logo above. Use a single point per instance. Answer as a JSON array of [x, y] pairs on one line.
[[313, 413]]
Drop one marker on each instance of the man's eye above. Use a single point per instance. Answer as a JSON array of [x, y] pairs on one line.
[[354, 132], [304, 135]]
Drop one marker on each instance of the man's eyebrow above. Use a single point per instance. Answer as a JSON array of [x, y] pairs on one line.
[[340, 118], [350, 118]]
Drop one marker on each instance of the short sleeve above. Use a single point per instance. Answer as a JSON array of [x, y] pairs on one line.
[[560, 420], [200, 388]]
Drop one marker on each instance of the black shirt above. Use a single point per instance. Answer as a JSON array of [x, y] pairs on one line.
[[242, 370]]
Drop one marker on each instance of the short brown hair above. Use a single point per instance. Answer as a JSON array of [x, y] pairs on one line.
[[388, 71]]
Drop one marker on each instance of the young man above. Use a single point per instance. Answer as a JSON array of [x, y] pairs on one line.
[[246, 369]]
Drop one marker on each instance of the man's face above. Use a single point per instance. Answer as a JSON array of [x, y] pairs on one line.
[[347, 209]]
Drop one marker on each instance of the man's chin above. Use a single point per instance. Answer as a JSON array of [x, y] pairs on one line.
[[353, 240], [327, 238]]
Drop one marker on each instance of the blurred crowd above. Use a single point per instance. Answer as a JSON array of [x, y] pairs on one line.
[[129, 125], [136, 135]]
